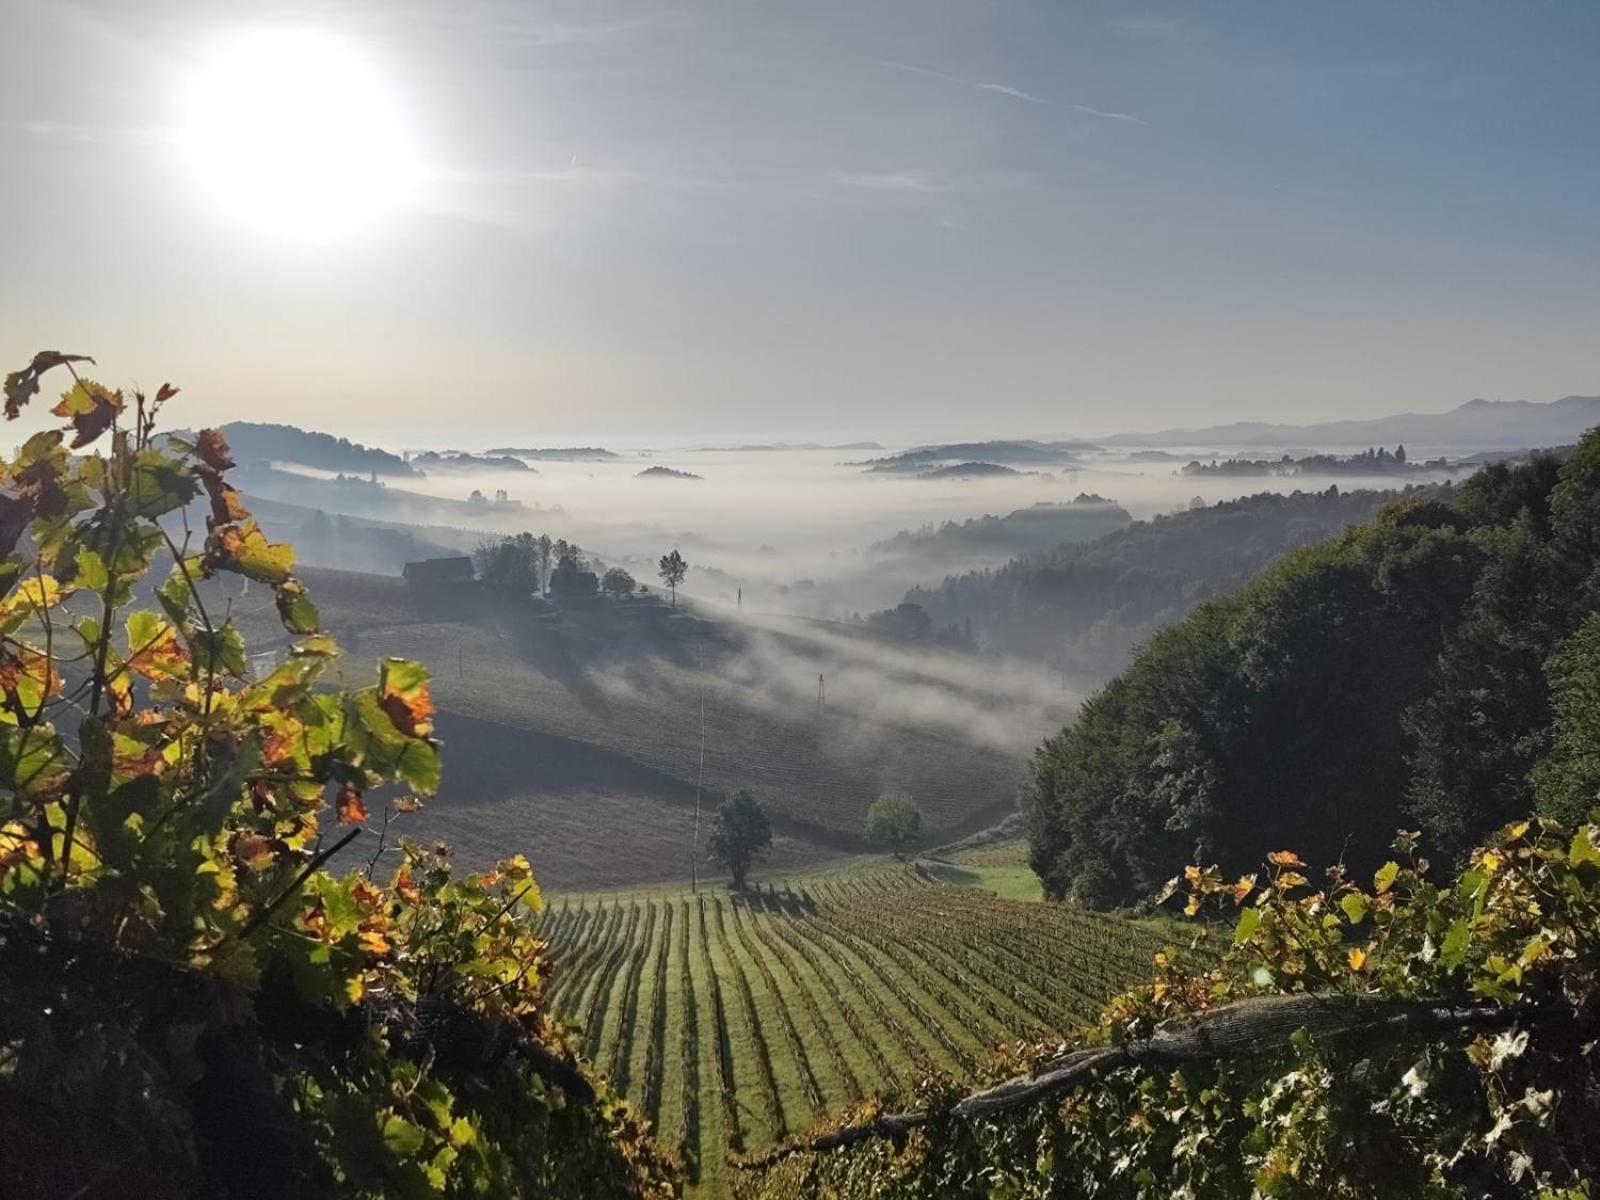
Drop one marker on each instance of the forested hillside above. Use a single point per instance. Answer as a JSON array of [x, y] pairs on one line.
[[1087, 606], [252, 441], [1434, 666]]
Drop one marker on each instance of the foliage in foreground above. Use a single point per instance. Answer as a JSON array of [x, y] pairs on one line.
[[1506, 1113], [190, 1002]]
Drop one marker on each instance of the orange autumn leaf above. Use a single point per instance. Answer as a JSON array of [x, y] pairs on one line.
[[254, 850], [406, 887], [351, 808], [404, 697]]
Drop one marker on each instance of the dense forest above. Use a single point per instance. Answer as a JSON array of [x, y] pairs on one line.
[[1434, 666], [1085, 607], [1037, 527]]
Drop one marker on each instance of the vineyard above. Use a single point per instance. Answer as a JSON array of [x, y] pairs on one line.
[[733, 1020]]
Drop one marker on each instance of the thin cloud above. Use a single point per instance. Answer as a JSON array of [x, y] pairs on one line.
[[1109, 116], [1005, 89], [909, 69], [928, 183]]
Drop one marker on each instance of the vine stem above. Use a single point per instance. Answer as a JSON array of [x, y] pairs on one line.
[[317, 859]]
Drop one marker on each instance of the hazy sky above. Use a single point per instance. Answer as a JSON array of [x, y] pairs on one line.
[[853, 218]]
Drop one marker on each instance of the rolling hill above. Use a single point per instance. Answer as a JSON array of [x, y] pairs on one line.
[[1478, 424], [578, 738]]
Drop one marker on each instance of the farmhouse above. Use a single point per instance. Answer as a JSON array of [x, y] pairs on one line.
[[440, 586], [439, 572]]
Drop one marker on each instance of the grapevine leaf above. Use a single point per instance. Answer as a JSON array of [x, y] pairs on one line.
[[91, 407], [1583, 849], [351, 808], [295, 609], [242, 548], [1249, 919], [1454, 947], [403, 693], [1384, 879], [220, 651], [159, 484], [212, 449], [23, 385]]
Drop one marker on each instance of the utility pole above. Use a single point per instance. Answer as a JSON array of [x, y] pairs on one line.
[[694, 861]]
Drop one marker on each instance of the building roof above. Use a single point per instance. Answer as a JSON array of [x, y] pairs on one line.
[[439, 570]]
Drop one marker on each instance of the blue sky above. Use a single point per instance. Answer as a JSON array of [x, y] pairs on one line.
[[894, 219]]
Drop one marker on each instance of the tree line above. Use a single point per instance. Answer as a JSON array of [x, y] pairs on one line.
[[1435, 667], [521, 565], [1086, 607]]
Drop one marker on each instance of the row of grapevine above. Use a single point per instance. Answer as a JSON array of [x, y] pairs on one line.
[[738, 1018]]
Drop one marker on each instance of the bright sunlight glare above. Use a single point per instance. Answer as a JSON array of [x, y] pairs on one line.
[[295, 134]]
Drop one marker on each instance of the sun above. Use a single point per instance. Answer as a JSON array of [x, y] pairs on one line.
[[295, 134]]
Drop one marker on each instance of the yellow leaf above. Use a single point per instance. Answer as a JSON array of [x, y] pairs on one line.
[[1358, 958]]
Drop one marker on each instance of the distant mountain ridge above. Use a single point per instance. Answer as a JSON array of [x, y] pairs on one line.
[[1480, 424]]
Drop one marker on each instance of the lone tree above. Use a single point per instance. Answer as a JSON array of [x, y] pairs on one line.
[[742, 835], [618, 582], [672, 569], [895, 823]]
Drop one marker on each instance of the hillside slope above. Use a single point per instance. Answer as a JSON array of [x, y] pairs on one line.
[[579, 738]]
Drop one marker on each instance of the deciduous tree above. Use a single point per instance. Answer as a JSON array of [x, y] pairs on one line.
[[741, 835]]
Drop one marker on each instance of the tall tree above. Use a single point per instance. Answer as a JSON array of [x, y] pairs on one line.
[[741, 835], [543, 547], [672, 569]]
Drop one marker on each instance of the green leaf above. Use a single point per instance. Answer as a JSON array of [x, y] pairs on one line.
[[175, 594], [220, 651], [1354, 905], [1248, 920], [1454, 947], [1583, 848], [1384, 879], [295, 609], [87, 570], [159, 484], [244, 549], [32, 760]]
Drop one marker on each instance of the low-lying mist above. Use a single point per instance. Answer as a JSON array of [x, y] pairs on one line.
[[792, 529]]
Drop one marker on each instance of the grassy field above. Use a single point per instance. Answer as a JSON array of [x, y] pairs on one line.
[[577, 738], [733, 1020]]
